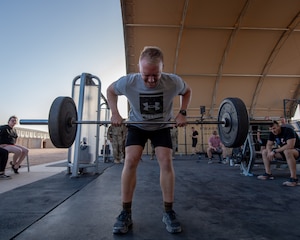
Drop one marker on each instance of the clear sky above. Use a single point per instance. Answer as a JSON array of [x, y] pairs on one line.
[[44, 45]]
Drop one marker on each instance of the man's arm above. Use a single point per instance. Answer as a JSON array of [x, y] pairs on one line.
[[186, 98], [210, 143], [185, 101], [112, 99], [269, 145], [290, 143]]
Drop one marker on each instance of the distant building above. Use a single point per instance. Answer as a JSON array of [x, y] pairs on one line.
[[33, 138]]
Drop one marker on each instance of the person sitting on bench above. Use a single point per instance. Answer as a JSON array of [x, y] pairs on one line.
[[8, 139], [288, 149], [215, 146]]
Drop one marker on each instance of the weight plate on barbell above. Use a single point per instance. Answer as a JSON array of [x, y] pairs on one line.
[[62, 112], [234, 113]]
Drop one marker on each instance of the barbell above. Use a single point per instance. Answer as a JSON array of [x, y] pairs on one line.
[[233, 122]]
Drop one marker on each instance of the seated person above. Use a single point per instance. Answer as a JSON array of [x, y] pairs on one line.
[[8, 139], [3, 161], [215, 146], [288, 149]]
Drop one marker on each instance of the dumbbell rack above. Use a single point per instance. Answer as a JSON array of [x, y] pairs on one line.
[[83, 154]]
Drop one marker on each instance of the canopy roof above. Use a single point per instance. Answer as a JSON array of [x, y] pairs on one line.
[[248, 49]]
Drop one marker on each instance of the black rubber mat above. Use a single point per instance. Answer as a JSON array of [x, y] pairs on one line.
[[25, 205], [213, 201]]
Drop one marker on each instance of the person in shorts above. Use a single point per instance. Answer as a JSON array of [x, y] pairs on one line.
[[283, 143], [215, 146], [150, 94], [8, 141]]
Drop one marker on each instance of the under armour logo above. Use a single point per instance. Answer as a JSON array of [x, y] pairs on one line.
[[155, 106]]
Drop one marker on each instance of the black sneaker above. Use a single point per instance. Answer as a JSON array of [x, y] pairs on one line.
[[4, 177], [172, 224], [123, 223], [16, 171]]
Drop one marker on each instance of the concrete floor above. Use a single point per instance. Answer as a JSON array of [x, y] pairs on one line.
[[213, 201]]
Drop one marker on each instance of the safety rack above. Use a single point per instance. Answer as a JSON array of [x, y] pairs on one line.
[[83, 154]]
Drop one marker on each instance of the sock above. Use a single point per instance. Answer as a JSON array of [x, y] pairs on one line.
[[168, 206], [127, 207]]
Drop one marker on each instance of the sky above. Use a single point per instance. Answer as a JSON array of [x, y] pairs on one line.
[[44, 45]]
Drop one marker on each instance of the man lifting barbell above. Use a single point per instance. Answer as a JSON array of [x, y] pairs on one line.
[[150, 94]]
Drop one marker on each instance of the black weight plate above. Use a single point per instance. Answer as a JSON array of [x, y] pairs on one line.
[[234, 133], [62, 112]]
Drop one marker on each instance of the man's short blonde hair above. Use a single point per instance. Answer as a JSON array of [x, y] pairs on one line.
[[153, 54]]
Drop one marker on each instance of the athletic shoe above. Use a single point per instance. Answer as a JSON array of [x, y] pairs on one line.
[[292, 182], [4, 177], [265, 176], [16, 171], [172, 224], [123, 223], [224, 161]]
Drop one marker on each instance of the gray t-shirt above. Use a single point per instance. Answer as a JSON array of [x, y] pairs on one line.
[[150, 104]]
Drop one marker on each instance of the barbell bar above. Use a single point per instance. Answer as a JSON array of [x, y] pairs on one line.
[[233, 122], [45, 122]]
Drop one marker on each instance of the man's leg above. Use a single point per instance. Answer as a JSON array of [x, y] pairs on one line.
[[128, 180], [224, 152], [267, 165], [167, 183], [24, 153], [167, 175], [266, 161], [15, 150], [3, 160], [133, 155], [291, 155], [209, 155]]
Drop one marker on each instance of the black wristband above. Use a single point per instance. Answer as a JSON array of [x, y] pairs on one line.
[[182, 112]]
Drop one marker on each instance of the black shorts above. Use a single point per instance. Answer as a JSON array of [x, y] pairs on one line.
[[283, 156], [159, 138]]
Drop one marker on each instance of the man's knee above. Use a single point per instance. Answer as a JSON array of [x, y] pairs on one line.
[[291, 153], [25, 151], [264, 153]]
